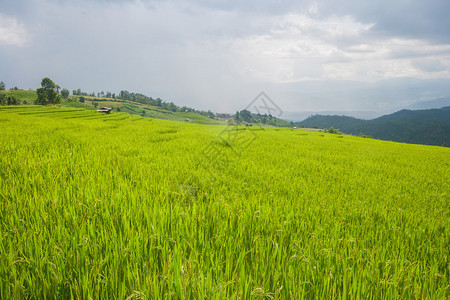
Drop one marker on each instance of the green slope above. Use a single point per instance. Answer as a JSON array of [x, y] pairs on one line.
[[119, 206], [128, 106]]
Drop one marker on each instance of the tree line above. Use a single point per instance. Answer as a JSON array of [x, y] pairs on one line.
[[143, 99], [249, 117]]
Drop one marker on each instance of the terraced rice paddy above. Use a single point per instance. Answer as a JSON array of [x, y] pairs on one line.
[[102, 206]]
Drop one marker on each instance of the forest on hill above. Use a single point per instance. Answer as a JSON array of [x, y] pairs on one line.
[[428, 127]]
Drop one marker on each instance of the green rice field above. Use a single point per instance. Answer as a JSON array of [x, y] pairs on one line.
[[96, 206]]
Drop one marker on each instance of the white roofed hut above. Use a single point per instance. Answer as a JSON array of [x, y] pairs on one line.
[[105, 110]]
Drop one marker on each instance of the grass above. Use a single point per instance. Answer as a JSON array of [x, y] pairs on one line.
[[197, 118], [134, 108], [138, 109], [102, 206]]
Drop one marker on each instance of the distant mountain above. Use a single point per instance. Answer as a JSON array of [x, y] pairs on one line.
[[436, 103], [300, 116], [384, 97], [429, 127]]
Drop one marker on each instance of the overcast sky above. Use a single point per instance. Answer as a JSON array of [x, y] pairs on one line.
[[376, 55]]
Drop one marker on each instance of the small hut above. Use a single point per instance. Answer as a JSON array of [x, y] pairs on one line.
[[105, 110]]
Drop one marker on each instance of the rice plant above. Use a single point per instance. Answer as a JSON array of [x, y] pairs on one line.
[[102, 206]]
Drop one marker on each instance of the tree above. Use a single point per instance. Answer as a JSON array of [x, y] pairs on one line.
[[95, 104], [2, 86], [9, 100], [210, 114], [65, 93], [47, 94], [13, 100], [237, 117], [172, 107], [264, 119], [82, 99], [332, 130], [246, 116]]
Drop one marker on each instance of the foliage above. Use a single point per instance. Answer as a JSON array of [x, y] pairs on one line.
[[237, 117], [65, 93], [47, 94], [246, 116], [249, 117], [332, 130], [28, 96], [430, 127], [8, 99], [119, 206], [2, 86]]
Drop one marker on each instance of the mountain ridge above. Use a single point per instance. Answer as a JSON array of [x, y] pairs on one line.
[[428, 127]]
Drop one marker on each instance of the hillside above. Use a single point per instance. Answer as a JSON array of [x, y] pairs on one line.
[[25, 96], [138, 104], [120, 207], [429, 127], [120, 105]]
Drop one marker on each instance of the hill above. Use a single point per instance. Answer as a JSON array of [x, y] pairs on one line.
[[119, 206], [138, 104], [123, 105], [300, 116], [429, 127], [430, 104], [25, 96]]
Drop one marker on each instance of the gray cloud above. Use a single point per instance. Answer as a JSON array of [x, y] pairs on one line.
[[409, 18], [430, 65]]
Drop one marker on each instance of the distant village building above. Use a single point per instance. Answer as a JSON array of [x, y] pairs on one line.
[[105, 110]]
